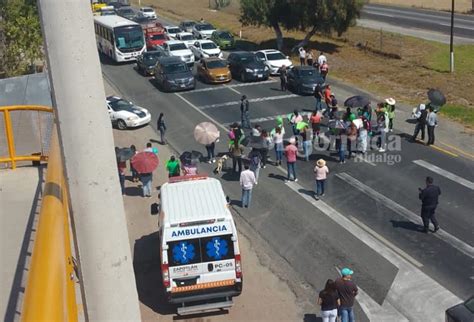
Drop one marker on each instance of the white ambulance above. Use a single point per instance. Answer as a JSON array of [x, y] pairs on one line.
[[199, 248]]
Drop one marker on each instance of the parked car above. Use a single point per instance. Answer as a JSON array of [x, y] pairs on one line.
[[172, 74], [171, 31], [125, 114], [303, 79], [179, 49], [274, 59], [205, 49], [223, 39], [245, 66], [148, 12], [126, 12], [213, 70], [146, 62], [187, 25], [142, 20], [462, 312], [203, 30], [186, 37]]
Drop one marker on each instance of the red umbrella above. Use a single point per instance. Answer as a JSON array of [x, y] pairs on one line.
[[145, 162]]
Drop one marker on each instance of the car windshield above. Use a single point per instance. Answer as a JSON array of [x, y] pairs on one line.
[[126, 11], [208, 45], [225, 35], [187, 37], [151, 57], [147, 10], [121, 105], [129, 37], [216, 64], [178, 47], [158, 37], [175, 68], [188, 24], [205, 27], [174, 30], [248, 58], [275, 56], [308, 73]]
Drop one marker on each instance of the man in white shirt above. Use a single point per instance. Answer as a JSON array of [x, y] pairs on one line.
[[322, 59], [247, 181], [431, 122], [302, 56]]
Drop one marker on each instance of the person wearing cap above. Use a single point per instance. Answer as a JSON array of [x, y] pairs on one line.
[[291, 152], [390, 107], [420, 122], [347, 290], [320, 174], [244, 112]]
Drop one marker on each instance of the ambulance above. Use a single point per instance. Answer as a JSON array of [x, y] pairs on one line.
[[199, 247]]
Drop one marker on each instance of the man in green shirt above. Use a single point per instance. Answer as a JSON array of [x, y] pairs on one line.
[[173, 167]]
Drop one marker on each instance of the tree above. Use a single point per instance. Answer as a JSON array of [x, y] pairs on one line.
[[22, 36], [310, 16]]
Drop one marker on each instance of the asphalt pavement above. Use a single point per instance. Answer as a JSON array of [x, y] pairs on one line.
[[430, 20]]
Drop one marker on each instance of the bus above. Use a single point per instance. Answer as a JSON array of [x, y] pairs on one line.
[[119, 38]]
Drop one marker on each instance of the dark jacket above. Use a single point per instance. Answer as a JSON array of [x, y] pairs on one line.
[[244, 106], [429, 196], [422, 118]]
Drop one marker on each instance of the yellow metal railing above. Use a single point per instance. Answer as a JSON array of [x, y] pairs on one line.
[[13, 158], [50, 289]]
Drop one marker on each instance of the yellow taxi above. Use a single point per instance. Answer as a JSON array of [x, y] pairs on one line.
[[213, 70]]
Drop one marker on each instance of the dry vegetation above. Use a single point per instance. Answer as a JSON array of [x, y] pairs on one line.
[[356, 56]]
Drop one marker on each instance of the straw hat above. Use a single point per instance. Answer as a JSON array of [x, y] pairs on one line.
[[320, 163], [390, 101]]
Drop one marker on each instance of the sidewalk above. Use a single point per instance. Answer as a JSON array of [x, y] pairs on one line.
[[264, 298]]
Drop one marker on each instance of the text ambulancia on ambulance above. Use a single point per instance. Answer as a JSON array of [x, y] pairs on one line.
[[199, 248]]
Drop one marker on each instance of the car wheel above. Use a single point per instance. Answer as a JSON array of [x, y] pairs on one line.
[[121, 125], [242, 77]]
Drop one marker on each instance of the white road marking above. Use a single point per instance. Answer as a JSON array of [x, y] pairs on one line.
[[233, 89], [360, 158], [252, 100], [411, 286], [445, 173], [218, 87], [404, 212]]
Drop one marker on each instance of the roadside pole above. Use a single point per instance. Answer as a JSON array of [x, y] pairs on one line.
[[451, 50], [85, 135]]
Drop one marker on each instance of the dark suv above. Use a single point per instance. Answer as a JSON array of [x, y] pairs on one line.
[[245, 66], [172, 74]]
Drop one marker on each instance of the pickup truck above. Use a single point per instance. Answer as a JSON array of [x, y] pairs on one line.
[[154, 36], [179, 49], [205, 49]]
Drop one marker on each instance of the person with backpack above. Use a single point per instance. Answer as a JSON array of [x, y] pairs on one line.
[[329, 301], [255, 158], [318, 95], [390, 108]]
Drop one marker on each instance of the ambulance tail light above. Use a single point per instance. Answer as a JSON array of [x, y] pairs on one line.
[[166, 275], [238, 266]]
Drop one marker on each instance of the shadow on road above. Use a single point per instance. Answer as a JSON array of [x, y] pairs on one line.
[[311, 318], [408, 225], [133, 191]]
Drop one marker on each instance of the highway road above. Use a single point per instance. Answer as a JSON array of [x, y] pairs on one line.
[[369, 218], [412, 18]]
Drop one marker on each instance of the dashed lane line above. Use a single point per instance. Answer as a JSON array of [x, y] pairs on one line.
[[219, 87], [445, 173], [252, 100], [455, 242]]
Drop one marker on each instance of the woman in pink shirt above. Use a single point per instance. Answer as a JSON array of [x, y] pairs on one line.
[[291, 152], [320, 173]]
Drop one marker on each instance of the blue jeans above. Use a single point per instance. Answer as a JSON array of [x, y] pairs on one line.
[[279, 151], [210, 151], [146, 181], [162, 135], [318, 106], [307, 149], [320, 187], [256, 170], [340, 150], [246, 197], [122, 182], [346, 314], [291, 170]]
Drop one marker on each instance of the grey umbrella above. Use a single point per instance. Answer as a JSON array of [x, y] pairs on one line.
[[357, 101], [436, 97]]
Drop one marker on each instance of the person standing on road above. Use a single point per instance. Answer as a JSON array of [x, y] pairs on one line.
[[432, 122], [132, 169], [149, 147], [347, 291], [306, 135], [283, 78], [324, 70], [322, 59], [315, 121], [429, 202], [255, 158], [390, 108], [318, 95], [236, 151], [302, 56], [267, 144], [421, 117], [291, 153], [247, 181], [382, 126], [210, 148], [173, 167], [244, 112], [160, 124], [329, 301], [121, 166], [295, 119], [327, 99], [363, 135], [320, 173], [309, 58], [278, 142]]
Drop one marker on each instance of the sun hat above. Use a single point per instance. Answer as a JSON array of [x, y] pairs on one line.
[[346, 271], [390, 101], [320, 163]]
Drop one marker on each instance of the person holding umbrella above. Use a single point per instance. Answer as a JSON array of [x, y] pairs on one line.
[[145, 163], [207, 133]]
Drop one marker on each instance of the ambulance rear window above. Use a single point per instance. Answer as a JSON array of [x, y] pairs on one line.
[[200, 250]]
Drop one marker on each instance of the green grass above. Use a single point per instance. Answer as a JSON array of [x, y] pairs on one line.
[[461, 113], [463, 58]]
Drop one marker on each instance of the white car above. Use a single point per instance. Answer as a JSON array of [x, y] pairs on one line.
[[148, 12], [203, 30], [172, 31], [206, 49], [274, 59], [186, 37], [125, 114], [179, 49]]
